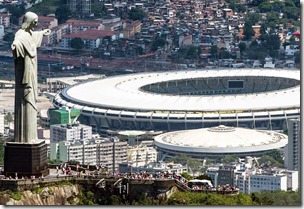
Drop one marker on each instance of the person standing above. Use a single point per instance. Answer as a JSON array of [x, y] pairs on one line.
[[24, 49]]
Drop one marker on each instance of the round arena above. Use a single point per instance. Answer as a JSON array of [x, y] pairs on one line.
[[218, 141], [180, 100]]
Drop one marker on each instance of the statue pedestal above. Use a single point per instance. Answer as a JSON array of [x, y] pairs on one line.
[[25, 159]]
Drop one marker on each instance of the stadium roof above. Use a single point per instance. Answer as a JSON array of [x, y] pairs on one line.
[[123, 93]]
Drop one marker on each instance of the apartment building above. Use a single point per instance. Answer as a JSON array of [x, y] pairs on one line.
[[80, 7], [261, 182], [141, 155], [5, 20], [70, 132], [226, 175], [91, 38], [83, 25], [292, 159], [108, 153]]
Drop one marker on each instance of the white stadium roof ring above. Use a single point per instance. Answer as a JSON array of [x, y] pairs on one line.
[[178, 100]]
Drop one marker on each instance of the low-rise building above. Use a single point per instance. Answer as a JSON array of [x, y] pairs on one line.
[[91, 38], [5, 20], [108, 153], [141, 155], [261, 182]]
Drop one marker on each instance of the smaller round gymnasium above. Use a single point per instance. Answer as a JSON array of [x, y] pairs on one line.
[[218, 141]]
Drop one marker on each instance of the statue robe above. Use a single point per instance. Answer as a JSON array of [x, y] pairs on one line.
[[25, 55]]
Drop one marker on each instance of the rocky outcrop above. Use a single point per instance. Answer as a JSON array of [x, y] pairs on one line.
[[54, 195]]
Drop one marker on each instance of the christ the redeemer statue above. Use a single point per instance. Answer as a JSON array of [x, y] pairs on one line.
[[24, 50]]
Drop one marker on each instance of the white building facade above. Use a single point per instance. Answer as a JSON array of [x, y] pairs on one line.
[[108, 154], [249, 181], [142, 155], [70, 132], [292, 159]]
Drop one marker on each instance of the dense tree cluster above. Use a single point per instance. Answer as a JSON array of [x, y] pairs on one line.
[[265, 198], [136, 14]]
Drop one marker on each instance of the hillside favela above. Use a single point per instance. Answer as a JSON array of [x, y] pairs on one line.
[[150, 102]]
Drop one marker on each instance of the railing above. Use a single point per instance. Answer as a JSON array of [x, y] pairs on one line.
[[182, 186]]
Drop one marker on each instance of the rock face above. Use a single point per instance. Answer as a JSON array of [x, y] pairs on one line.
[[54, 195]]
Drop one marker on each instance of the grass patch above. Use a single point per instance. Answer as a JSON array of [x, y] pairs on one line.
[[15, 195]]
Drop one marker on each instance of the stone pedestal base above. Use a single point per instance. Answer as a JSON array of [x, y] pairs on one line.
[[25, 159]]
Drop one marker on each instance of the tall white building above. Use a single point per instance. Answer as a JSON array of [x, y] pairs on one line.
[[81, 7], [70, 132], [293, 148]]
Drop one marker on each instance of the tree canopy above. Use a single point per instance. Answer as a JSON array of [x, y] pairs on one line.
[[136, 14], [62, 13], [77, 43], [16, 12]]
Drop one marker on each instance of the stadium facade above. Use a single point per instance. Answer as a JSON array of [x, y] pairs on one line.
[[180, 100]]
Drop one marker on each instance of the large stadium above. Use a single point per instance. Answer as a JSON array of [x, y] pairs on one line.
[[179, 100]]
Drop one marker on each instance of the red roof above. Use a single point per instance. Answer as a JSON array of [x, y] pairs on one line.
[[45, 19]]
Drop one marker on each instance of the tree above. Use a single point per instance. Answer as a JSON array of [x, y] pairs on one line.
[[158, 42], [115, 200], [16, 12], [136, 14], [186, 176], [224, 54], [77, 43], [271, 41], [8, 118], [8, 37], [248, 31], [266, 7], [98, 9], [229, 158], [194, 165], [192, 52], [270, 161], [276, 155], [272, 20], [182, 159], [62, 13], [253, 18], [203, 177], [242, 47], [213, 51]]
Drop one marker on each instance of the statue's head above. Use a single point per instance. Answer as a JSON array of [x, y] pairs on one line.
[[30, 20]]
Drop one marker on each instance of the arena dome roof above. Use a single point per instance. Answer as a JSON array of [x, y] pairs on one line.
[[221, 139]]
